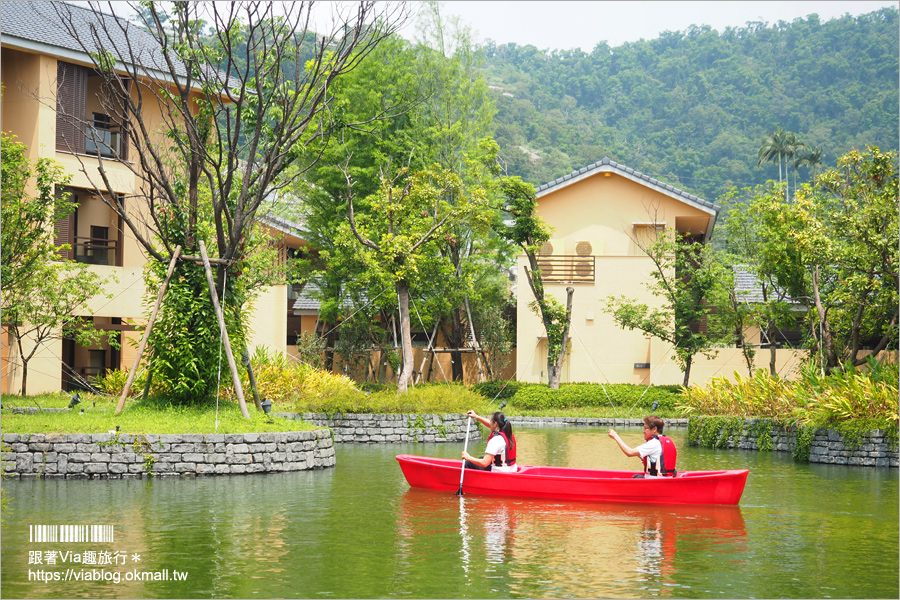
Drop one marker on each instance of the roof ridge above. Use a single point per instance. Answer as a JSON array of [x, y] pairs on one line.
[[606, 161]]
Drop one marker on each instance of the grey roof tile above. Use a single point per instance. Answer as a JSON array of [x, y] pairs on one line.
[[747, 286], [309, 299], [42, 22]]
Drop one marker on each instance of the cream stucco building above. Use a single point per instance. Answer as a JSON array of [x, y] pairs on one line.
[[600, 214], [46, 74]]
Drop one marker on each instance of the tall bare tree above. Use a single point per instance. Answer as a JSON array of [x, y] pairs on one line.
[[242, 89], [212, 102]]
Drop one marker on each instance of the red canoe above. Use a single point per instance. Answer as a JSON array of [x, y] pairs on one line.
[[590, 485]]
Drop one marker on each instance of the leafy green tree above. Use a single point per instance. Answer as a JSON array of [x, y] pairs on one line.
[[529, 232], [41, 296], [759, 233], [452, 123], [423, 104], [688, 280], [378, 96], [847, 234], [397, 237]]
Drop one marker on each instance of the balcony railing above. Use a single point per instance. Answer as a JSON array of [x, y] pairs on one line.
[[566, 269], [103, 139], [95, 251]]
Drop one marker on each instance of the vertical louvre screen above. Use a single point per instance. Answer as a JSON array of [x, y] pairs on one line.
[[71, 98], [126, 124], [65, 230]]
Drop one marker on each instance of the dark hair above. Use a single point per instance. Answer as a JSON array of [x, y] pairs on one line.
[[654, 421], [505, 426]]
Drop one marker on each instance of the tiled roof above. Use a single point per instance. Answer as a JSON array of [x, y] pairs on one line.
[[610, 165], [309, 299], [41, 23], [284, 225], [747, 286]]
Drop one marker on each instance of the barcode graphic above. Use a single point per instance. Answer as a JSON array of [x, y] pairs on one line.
[[70, 533]]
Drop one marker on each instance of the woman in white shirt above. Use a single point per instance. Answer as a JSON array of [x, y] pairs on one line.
[[500, 453]]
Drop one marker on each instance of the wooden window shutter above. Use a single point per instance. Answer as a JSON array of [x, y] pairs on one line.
[[65, 232], [120, 235], [125, 140], [71, 106]]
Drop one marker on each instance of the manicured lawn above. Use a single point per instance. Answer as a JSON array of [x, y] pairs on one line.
[[99, 416]]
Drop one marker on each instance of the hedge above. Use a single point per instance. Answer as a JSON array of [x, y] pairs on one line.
[[573, 395]]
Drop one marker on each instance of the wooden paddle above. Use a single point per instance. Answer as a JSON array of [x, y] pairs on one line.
[[465, 448], [462, 473]]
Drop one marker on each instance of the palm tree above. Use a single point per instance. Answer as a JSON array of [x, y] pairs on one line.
[[793, 150], [779, 146], [773, 149], [812, 158]]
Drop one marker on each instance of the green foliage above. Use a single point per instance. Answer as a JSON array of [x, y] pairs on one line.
[[497, 389], [803, 443], [849, 235], [849, 395], [714, 432], [187, 359], [155, 415], [763, 433], [688, 279], [616, 395], [693, 106], [310, 348], [187, 355], [41, 295], [113, 382], [424, 399], [28, 220], [290, 385]]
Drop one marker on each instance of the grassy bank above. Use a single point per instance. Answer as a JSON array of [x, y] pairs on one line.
[[153, 416]]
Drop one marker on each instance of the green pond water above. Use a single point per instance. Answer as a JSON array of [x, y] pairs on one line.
[[359, 531]]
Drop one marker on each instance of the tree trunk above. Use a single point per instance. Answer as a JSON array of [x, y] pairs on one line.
[[555, 363], [475, 343], [826, 342], [773, 353], [430, 366], [405, 337], [687, 370], [329, 346], [456, 342], [24, 375], [245, 359]]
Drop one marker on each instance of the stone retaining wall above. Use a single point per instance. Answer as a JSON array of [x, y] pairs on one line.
[[400, 428], [873, 449], [104, 455]]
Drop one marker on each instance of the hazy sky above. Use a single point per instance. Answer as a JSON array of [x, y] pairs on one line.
[[568, 25]]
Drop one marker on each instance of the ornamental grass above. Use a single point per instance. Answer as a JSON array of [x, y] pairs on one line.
[[866, 394]]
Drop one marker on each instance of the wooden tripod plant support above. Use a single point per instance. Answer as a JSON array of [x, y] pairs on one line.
[[140, 352], [235, 376], [223, 330]]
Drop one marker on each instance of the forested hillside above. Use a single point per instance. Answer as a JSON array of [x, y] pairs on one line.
[[693, 107]]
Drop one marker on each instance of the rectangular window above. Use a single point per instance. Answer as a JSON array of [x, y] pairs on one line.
[[103, 136], [644, 234]]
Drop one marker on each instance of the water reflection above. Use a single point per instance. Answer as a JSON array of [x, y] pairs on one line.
[[582, 548], [359, 531]]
